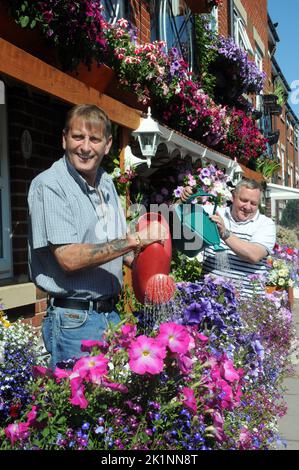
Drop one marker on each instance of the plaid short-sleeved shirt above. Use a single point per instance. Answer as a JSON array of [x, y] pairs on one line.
[[64, 209]]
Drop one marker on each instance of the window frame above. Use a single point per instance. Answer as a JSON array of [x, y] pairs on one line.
[[119, 10], [240, 32], [5, 260], [163, 31], [258, 58]]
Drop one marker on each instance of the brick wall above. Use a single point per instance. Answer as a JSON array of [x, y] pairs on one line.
[[224, 19], [43, 117], [141, 18]]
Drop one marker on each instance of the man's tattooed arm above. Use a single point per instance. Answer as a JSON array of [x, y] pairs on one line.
[[78, 256]]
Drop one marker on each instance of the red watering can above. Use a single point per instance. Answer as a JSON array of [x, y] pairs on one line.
[[152, 266]]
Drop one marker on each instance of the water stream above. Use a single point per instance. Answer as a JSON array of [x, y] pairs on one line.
[[222, 262]]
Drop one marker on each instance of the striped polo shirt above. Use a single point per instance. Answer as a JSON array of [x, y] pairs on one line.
[[64, 209], [260, 229]]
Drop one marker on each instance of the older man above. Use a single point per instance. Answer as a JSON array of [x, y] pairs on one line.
[[247, 237]]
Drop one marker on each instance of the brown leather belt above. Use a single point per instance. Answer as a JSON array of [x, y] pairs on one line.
[[105, 305]]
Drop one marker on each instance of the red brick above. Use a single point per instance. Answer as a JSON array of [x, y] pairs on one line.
[[40, 306], [37, 320]]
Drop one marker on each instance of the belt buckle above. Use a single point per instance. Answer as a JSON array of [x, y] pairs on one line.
[[105, 305], [102, 306]]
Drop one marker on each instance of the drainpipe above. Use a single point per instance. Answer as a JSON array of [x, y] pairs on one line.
[[231, 17]]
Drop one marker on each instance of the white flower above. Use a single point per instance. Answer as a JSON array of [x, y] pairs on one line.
[[206, 181]]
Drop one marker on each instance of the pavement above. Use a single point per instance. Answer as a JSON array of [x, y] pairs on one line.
[[289, 424]]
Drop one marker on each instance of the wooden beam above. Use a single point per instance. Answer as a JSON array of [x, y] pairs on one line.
[[24, 67]]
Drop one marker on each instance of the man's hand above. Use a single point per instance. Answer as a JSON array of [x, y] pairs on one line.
[[187, 192], [220, 223], [152, 233]]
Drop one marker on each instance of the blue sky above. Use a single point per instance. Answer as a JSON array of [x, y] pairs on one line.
[[286, 13]]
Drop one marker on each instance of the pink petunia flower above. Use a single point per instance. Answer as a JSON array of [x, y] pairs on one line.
[[88, 344], [40, 371], [174, 336], [146, 355], [189, 400], [228, 371], [16, 432], [114, 386], [92, 368], [61, 374], [129, 330], [185, 363], [77, 392], [128, 333], [202, 337], [32, 415]]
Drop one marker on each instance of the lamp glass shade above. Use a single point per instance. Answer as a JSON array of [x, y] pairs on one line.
[[148, 142]]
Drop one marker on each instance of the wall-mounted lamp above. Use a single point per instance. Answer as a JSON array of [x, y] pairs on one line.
[[149, 136], [237, 173]]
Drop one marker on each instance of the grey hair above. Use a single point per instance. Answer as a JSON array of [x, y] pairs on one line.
[[247, 183]]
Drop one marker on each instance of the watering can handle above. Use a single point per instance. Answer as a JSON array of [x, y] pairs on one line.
[[203, 194]]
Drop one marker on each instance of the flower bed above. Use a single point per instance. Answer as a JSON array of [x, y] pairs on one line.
[[283, 267], [207, 377]]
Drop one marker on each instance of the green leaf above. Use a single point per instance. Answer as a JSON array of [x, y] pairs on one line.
[[24, 21], [32, 24]]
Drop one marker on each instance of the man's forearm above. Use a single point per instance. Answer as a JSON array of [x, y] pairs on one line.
[[251, 252], [83, 255]]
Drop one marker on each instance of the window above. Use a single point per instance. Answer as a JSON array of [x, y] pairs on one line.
[[258, 58], [282, 155], [291, 174], [5, 225], [172, 22], [240, 35], [214, 20], [115, 9]]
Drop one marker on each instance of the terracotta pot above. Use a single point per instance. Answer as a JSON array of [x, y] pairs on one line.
[[97, 76], [271, 289], [291, 297], [199, 6]]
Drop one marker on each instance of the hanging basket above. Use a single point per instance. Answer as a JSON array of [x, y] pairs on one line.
[[97, 76], [200, 6], [30, 40]]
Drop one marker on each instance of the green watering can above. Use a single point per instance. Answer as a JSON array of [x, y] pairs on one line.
[[196, 229]]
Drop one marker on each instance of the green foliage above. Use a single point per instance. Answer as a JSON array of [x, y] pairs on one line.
[[205, 54], [290, 215], [267, 167], [184, 268], [128, 302], [281, 94]]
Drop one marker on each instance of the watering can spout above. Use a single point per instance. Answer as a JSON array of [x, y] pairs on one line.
[[218, 248]]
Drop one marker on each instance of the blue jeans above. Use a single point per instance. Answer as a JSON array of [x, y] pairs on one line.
[[63, 330]]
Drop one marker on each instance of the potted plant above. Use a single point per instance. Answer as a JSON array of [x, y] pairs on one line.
[[74, 29]]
